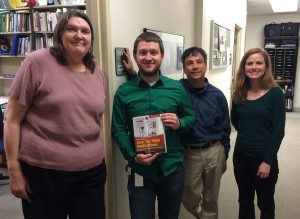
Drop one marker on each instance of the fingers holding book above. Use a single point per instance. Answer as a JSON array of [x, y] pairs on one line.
[[146, 159]]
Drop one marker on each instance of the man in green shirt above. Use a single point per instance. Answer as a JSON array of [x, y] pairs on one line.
[[158, 175]]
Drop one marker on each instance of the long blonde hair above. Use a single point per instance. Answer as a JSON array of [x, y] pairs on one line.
[[242, 83]]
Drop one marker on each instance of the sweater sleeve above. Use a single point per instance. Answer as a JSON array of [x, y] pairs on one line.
[[225, 126], [278, 106], [24, 86], [233, 116]]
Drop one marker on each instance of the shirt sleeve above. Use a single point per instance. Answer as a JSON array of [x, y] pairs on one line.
[[278, 107], [186, 115], [120, 130], [24, 86]]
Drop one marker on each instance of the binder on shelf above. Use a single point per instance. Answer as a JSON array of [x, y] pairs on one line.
[[15, 45]]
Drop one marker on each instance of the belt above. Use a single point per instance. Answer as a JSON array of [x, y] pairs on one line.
[[201, 145]]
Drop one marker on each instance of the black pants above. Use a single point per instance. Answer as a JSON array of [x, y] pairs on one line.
[[58, 194], [245, 172]]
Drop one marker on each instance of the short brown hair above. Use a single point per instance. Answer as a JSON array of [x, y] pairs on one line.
[[148, 37]]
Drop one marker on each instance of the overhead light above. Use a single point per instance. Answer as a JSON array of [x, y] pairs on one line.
[[284, 5]]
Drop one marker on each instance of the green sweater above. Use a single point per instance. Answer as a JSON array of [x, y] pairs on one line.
[[260, 125], [137, 98]]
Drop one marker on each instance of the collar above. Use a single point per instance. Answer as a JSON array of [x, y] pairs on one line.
[[142, 83], [196, 90]]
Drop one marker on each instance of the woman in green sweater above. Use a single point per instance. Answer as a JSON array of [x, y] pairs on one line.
[[258, 115]]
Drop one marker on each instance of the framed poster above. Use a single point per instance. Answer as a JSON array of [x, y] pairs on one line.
[[173, 48], [220, 46]]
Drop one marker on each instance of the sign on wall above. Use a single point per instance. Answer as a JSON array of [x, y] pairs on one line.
[[220, 46], [119, 57]]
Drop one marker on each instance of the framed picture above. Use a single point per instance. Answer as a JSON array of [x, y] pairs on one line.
[[220, 46], [173, 48]]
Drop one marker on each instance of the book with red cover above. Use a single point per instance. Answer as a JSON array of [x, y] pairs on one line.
[[149, 134]]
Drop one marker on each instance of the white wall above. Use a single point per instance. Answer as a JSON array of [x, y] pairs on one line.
[[128, 18], [255, 38], [227, 14]]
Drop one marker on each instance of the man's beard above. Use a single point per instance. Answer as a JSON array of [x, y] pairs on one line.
[[149, 73]]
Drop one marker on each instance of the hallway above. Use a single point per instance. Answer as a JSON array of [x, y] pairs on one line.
[[287, 195], [287, 190]]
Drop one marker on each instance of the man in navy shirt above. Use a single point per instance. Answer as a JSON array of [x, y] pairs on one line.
[[208, 144]]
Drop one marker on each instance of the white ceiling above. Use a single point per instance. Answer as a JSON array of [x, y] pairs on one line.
[[262, 7]]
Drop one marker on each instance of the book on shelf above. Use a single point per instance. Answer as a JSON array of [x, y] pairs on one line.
[[23, 21], [48, 41], [43, 41], [24, 46], [8, 75], [52, 18], [27, 45], [15, 45], [46, 21], [43, 22], [15, 21], [149, 134], [36, 22]]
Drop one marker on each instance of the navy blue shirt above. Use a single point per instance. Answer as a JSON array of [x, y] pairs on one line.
[[212, 115]]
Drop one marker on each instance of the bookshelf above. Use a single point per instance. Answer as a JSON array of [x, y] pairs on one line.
[[44, 19], [26, 29]]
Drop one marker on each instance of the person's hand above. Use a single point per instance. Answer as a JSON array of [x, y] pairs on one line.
[[128, 66], [146, 159], [171, 120], [19, 185], [263, 170]]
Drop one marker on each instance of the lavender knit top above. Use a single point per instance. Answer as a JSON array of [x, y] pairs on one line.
[[62, 129]]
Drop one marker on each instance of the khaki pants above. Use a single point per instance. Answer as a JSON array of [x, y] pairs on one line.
[[203, 172]]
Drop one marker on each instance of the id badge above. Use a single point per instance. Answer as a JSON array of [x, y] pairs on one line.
[[138, 180]]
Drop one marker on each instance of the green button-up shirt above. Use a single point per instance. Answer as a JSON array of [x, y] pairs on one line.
[[138, 98]]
